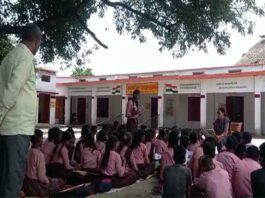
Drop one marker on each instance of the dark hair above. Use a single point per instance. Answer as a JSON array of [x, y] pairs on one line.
[[89, 141], [179, 155], [262, 154], [54, 134], [106, 127], [71, 131], [65, 137], [253, 153], [184, 132], [241, 151], [116, 123], [206, 162], [150, 135], [222, 110], [126, 139], [238, 136], [231, 143], [162, 134], [110, 145], [247, 137], [184, 141], [38, 134], [210, 139], [85, 130], [31, 31], [102, 136], [193, 138], [173, 139], [209, 148], [121, 135], [137, 139], [93, 128], [136, 92]]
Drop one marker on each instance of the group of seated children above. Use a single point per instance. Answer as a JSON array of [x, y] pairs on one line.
[[189, 166]]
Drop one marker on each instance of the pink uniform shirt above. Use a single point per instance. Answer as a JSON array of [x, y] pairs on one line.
[[36, 166], [215, 184], [160, 146], [166, 160], [90, 158], [241, 177], [148, 147], [229, 160], [130, 163], [140, 154], [194, 162], [47, 149], [62, 157], [193, 147], [101, 147], [114, 165]]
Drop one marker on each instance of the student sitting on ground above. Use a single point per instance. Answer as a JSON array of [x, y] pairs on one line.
[[246, 139], [80, 144], [71, 145], [177, 178], [94, 130], [60, 163], [167, 157], [160, 143], [48, 146], [194, 142], [209, 149], [227, 157], [149, 143], [112, 166], [241, 151], [90, 156], [238, 136], [241, 175], [257, 176], [36, 183], [213, 182], [184, 141], [141, 159], [198, 153], [101, 141]]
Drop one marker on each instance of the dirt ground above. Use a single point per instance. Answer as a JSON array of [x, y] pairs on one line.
[[141, 189]]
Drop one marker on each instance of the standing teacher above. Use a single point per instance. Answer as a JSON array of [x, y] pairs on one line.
[[132, 112], [221, 128], [18, 110]]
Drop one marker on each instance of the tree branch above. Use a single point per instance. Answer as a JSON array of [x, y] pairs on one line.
[[137, 12], [92, 34], [9, 29]]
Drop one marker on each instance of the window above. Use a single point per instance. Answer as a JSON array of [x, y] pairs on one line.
[[194, 109], [45, 78], [102, 79], [198, 73], [82, 80], [235, 71], [102, 107]]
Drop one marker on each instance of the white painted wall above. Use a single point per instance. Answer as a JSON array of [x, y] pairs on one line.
[[46, 86], [214, 100], [145, 101], [262, 113], [52, 110]]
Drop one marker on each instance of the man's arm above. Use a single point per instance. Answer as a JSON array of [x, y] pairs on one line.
[[19, 76]]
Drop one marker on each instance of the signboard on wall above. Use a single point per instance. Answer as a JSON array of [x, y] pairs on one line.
[[230, 85], [109, 90], [171, 88], [80, 91], [144, 88], [189, 87]]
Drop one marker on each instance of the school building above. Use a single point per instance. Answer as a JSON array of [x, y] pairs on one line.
[[183, 98]]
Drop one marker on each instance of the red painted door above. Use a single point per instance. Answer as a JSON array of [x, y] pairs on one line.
[[235, 108], [81, 110], [60, 110], [44, 108]]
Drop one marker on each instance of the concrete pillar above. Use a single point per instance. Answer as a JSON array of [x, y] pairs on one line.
[[124, 104], [161, 105], [94, 108], [52, 110], [257, 116], [203, 105]]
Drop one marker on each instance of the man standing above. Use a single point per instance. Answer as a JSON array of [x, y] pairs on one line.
[[18, 110]]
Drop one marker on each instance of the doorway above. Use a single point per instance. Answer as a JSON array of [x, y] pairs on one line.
[[60, 110], [154, 113], [235, 108], [44, 108], [81, 110]]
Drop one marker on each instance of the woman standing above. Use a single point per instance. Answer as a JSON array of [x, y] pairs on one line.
[[132, 112], [221, 128]]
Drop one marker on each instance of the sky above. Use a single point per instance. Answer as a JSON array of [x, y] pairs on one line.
[[129, 56]]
